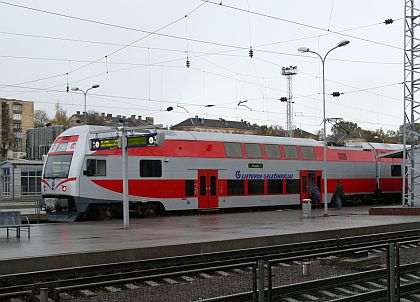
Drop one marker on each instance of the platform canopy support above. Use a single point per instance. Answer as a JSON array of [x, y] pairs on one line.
[[411, 132]]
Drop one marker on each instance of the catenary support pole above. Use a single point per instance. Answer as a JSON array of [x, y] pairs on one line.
[[124, 151]]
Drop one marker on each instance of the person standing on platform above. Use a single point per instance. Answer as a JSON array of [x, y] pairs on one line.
[[315, 195], [339, 194]]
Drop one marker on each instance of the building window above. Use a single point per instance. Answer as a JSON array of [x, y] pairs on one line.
[[150, 168], [233, 149], [17, 108], [290, 152], [253, 150], [5, 182], [189, 188], [395, 170], [17, 116], [307, 152], [272, 151], [293, 186], [17, 126], [96, 167], [275, 186], [30, 182], [255, 187], [235, 187]]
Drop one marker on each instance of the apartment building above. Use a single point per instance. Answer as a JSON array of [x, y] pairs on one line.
[[16, 117]]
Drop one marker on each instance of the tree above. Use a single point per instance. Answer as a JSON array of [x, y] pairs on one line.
[[41, 118], [344, 127], [60, 117]]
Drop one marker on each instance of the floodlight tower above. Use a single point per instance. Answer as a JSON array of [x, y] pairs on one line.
[[411, 135], [289, 72]]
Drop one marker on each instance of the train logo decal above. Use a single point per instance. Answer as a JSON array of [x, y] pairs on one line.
[[240, 175]]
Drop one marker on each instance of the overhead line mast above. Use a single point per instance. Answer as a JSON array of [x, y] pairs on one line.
[[411, 134], [289, 72]]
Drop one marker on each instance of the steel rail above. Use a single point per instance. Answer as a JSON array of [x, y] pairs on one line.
[[195, 267], [241, 255]]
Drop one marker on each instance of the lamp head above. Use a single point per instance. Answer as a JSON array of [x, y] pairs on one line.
[[75, 89], [303, 49], [95, 86], [343, 43]]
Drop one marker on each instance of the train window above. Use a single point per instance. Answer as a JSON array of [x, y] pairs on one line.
[[307, 152], [189, 188], [233, 149], [272, 151], [213, 185], [203, 188], [57, 166], [253, 150], [61, 147], [255, 187], [342, 156], [275, 186], [293, 186], [95, 167], [395, 170], [290, 152], [235, 187], [150, 168]]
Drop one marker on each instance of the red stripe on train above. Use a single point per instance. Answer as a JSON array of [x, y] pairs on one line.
[[176, 188], [67, 139]]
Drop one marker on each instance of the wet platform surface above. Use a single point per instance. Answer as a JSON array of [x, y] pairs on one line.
[[59, 245]]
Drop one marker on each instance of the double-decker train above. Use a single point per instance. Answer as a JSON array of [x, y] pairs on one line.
[[202, 170]]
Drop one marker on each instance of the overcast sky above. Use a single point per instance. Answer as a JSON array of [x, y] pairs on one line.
[[143, 74]]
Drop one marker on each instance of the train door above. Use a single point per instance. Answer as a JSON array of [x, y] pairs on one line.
[[308, 179], [304, 186], [208, 191]]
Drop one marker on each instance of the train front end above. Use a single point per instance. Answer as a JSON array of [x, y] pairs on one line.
[[59, 182]]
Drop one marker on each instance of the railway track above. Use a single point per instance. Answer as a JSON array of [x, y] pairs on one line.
[[182, 271]]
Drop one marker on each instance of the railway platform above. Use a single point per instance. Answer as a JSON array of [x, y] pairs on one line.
[[59, 245]]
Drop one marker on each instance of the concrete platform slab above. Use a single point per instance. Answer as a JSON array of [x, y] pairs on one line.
[[395, 210], [61, 245]]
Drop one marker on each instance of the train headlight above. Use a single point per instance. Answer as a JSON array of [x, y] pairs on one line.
[[64, 188]]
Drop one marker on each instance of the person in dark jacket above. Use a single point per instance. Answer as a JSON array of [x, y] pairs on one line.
[[315, 195], [339, 194]]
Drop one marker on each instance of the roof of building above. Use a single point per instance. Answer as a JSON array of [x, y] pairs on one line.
[[212, 123], [22, 162], [110, 120]]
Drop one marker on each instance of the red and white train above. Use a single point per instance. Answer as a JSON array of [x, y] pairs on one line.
[[201, 170]]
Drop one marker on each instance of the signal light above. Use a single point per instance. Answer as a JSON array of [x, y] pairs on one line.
[[187, 63], [251, 52], [336, 94], [283, 99], [388, 21], [64, 188]]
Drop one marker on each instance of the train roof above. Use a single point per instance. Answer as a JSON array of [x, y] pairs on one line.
[[205, 136], [228, 137]]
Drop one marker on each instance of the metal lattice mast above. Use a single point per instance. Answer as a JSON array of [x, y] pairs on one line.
[[289, 72], [411, 135]]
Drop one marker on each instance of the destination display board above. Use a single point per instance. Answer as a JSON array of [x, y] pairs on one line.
[[133, 141], [144, 140], [104, 143]]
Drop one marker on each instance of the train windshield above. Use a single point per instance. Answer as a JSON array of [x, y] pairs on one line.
[[57, 166]]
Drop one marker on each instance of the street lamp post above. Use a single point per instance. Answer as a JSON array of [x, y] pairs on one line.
[[85, 94], [304, 50]]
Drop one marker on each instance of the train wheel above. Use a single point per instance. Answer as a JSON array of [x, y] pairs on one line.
[[150, 211], [108, 212]]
